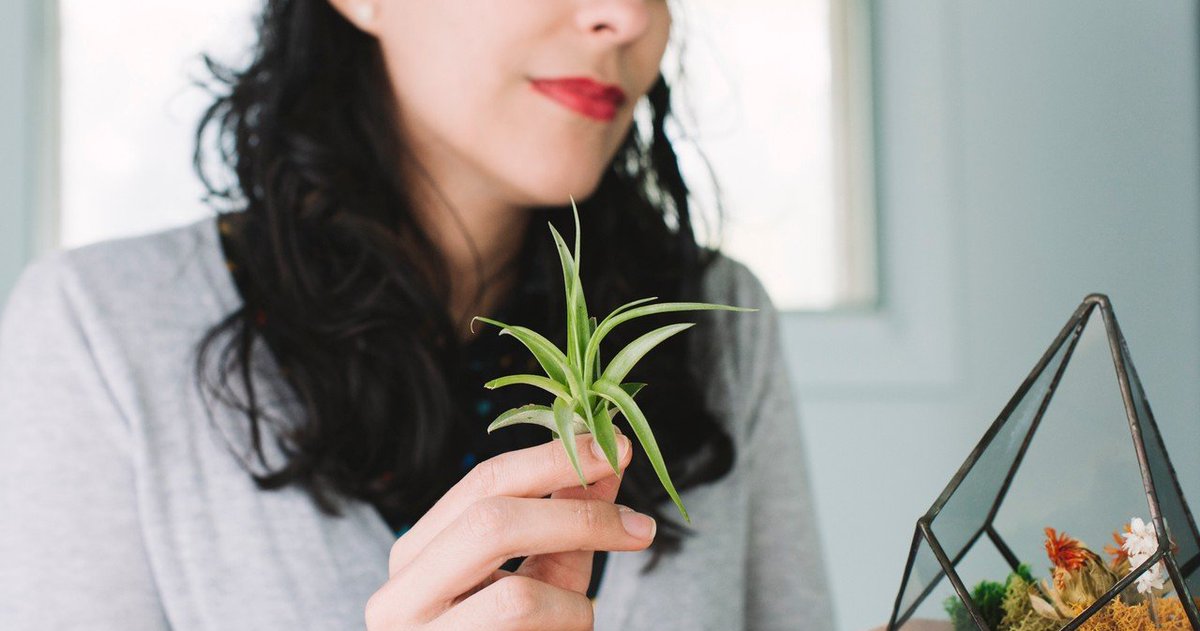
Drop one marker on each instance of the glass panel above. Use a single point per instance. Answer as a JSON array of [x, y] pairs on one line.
[[924, 576], [981, 563], [1179, 522], [1080, 475], [961, 517], [964, 513]]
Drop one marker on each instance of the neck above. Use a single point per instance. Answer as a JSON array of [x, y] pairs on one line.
[[480, 240]]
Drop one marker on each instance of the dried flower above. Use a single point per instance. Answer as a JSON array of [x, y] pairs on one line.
[[1119, 556], [1066, 553], [1080, 576], [1141, 542], [1140, 538]]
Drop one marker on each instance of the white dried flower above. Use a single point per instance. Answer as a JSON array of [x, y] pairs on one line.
[[1141, 542], [1141, 538]]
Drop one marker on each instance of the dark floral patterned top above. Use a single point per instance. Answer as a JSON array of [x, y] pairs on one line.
[[484, 358]]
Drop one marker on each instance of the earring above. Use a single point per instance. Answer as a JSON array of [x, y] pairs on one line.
[[364, 13]]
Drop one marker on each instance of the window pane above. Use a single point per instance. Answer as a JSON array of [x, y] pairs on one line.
[[129, 110], [757, 100]]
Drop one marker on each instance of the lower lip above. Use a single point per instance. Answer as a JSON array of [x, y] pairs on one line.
[[599, 109]]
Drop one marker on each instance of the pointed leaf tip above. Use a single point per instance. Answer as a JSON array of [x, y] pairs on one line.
[[641, 428]]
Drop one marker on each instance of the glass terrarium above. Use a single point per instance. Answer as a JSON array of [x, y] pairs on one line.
[[1075, 459]]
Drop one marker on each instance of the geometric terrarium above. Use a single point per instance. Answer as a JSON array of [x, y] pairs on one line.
[[1074, 458]]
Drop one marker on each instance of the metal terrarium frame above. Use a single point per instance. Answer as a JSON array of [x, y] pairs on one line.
[[1008, 438]]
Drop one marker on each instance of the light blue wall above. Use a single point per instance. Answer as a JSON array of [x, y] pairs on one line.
[[16, 172], [1031, 152]]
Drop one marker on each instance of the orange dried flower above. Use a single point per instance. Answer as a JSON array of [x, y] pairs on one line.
[[1118, 553], [1066, 553]]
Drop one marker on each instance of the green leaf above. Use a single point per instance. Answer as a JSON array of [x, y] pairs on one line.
[[564, 417], [627, 306], [607, 438], [549, 357], [537, 381], [547, 354], [577, 319], [619, 316], [595, 374], [578, 232], [637, 420], [637, 349], [631, 388], [533, 414]]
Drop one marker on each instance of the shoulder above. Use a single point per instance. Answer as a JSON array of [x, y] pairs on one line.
[[158, 276], [729, 281], [748, 335], [739, 350]]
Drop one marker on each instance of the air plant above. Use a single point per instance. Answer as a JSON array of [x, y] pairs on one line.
[[587, 393]]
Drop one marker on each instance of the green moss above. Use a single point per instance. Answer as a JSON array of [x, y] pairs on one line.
[[988, 597], [1023, 573], [1018, 613]]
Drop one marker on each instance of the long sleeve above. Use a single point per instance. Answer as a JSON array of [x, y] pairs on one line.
[[71, 548], [786, 583]]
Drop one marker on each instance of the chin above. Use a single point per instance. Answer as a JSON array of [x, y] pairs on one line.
[[554, 186]]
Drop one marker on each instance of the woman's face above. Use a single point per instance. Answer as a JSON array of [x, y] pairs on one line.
[[464, 71]]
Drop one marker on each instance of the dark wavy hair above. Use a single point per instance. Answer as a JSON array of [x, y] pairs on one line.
[[307, 142]]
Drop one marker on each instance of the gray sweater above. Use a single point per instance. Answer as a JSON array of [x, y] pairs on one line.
[[121, 506]]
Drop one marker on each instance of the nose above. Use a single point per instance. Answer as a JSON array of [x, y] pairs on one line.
[[616, 21]]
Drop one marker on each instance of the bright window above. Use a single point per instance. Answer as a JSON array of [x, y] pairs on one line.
[[129, 110], [775, 95], [775, 99]]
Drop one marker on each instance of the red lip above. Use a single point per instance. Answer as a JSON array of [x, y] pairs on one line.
[[583, 95]]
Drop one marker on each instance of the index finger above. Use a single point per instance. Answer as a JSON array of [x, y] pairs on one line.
[[532, 472]]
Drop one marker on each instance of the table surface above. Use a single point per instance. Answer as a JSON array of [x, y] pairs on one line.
[[922, 625]]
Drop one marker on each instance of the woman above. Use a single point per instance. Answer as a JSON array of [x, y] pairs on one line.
[[276, 420]]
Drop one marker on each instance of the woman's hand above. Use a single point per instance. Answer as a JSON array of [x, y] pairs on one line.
[[445, 571]]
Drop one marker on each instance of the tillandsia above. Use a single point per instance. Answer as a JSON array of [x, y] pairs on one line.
[[589, 394]]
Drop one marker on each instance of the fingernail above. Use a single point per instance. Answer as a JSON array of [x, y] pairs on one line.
[[622, 448], [637, 524], [597, 451]]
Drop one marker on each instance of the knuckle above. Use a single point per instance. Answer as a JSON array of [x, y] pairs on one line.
[[484, 478], [372, 613], [397, 556], [516, 598], [590, 515], [378, 613], [488, 517]]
